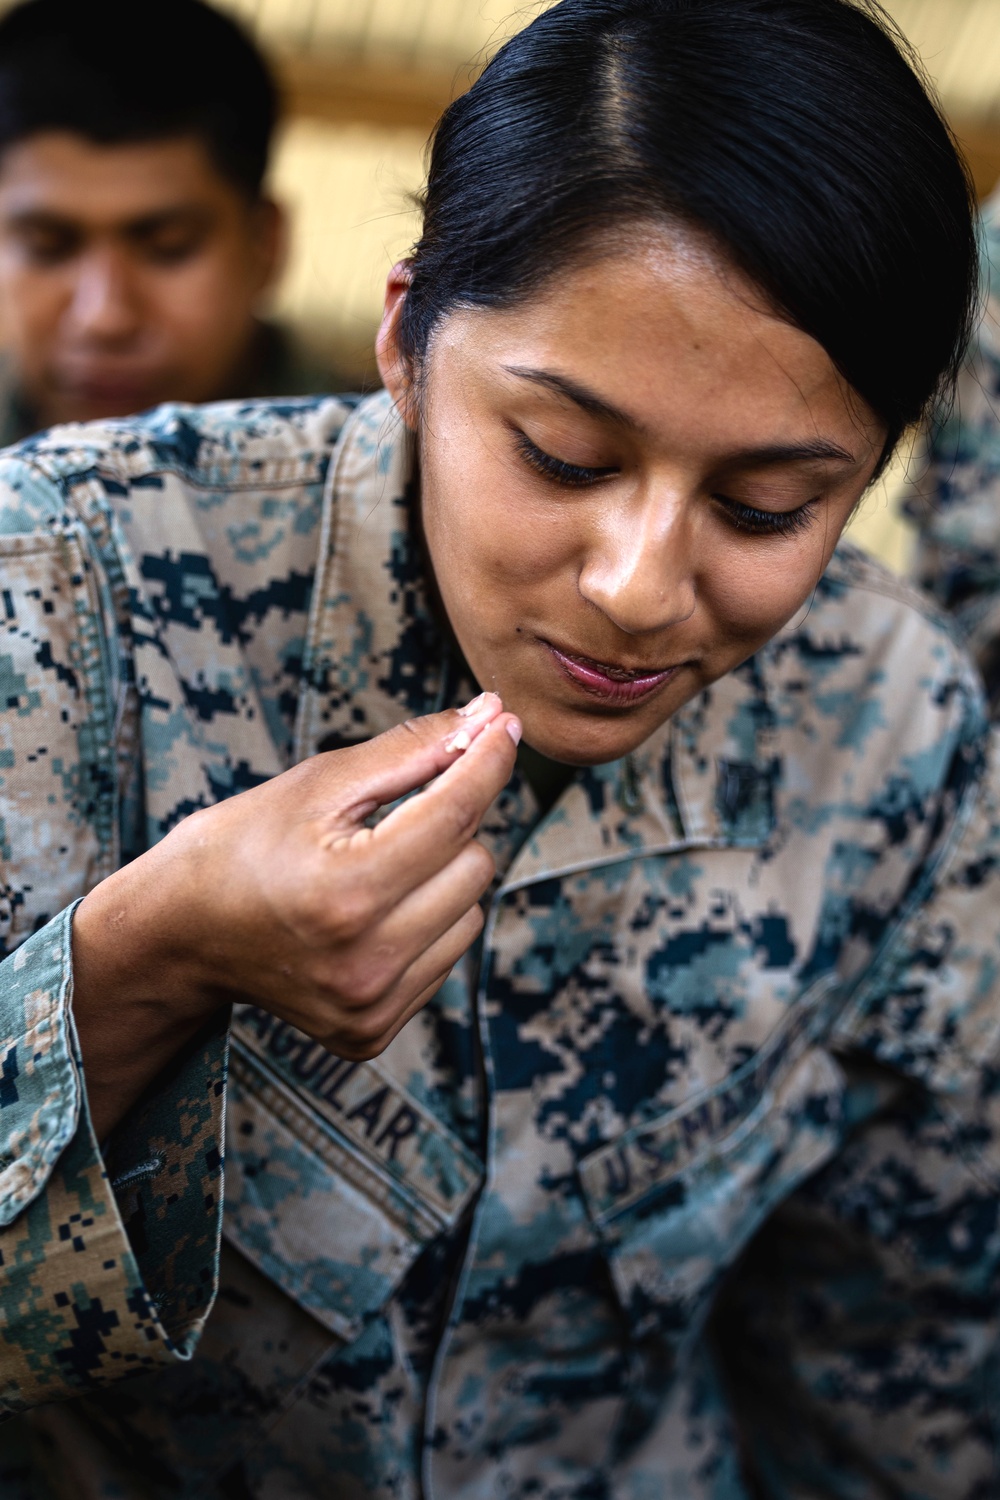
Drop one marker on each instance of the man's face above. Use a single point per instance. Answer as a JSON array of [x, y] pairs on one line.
[[129, 274]]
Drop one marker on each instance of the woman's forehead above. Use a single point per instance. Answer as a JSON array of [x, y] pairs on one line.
[[661, 332]]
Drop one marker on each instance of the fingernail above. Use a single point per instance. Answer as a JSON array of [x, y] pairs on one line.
[[473, 707], [461, 740], [514, 730]]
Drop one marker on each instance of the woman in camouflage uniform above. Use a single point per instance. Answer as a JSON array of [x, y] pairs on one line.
[[641, 1143]]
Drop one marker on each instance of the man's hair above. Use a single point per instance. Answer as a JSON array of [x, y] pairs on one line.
[[119, 71]]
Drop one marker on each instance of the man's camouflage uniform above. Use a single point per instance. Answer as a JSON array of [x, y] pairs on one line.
[[957, 508], [686, 1184]]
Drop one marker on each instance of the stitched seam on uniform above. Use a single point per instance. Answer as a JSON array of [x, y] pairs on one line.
[[328, 562], [274, 1095], [25, 545], [601, 860], [460, 1282], [677, 780], [98, 686], [104, 537], [79, 464]]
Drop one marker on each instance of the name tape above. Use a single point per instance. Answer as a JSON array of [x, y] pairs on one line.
[[653, 1155], [377, 1116]]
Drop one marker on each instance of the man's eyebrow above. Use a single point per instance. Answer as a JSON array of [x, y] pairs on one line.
[[41, 218], [159, 218], [813, 449], [141, 224]]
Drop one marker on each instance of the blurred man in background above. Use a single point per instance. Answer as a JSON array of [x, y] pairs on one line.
[[136, 240]]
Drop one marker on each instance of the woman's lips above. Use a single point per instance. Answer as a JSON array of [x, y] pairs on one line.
[[614, 685]]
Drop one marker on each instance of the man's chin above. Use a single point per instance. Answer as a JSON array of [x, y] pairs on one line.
[[97, 402]]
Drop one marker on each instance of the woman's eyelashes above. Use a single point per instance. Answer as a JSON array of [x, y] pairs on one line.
[[558, 469], [745, 518], [767, 522]]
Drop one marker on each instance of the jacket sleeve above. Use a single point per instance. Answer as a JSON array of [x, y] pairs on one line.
[[862, 1331], [107, 1259]]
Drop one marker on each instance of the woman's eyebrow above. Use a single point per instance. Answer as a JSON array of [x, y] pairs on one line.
[[789, 453], [588, 401], [812, 449]]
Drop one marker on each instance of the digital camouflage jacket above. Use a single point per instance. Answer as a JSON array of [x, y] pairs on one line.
[[957, 508], [686, 1183]]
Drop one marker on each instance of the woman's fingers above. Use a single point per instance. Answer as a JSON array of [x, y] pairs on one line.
[[425, 834], [367, 1030], [334, 889], [282, 896], [415, 1005], [402, 759], [412, 928]]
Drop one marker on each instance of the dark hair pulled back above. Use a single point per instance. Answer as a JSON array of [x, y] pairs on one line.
[[796, 133]]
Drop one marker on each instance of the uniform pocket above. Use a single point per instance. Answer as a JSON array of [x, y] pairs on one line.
[[336, 1177], [677, 1198]]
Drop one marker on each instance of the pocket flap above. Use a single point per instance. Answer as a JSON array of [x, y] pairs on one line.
[[333, 1191], [676, 1199]]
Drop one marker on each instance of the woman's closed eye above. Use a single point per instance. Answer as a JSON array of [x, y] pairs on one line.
[[748, 518], [745, 518], [560, 470]]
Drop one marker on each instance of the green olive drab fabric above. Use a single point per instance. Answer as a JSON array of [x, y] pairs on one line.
[[685, 1184]]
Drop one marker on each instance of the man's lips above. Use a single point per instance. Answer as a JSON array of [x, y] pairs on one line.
[[108, 390], [614, 684], [107, 383]]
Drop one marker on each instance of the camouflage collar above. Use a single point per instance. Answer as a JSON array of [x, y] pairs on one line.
[[376, 656]]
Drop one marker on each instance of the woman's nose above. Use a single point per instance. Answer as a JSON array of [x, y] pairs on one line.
[[640, 570]]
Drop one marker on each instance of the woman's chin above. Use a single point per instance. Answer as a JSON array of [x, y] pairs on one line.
[[584, 741]]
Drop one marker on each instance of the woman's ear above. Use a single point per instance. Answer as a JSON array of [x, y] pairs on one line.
[[394, 367]]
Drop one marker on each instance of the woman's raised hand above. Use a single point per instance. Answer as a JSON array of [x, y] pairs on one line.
[[285, 897]]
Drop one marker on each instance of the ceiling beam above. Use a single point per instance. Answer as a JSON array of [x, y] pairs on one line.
[[346, 91]]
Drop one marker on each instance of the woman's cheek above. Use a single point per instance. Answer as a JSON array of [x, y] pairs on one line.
[[753, 596], [497, 542]]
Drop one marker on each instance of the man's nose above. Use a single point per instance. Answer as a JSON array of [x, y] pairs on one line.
[[105, 305], [640, 570]]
